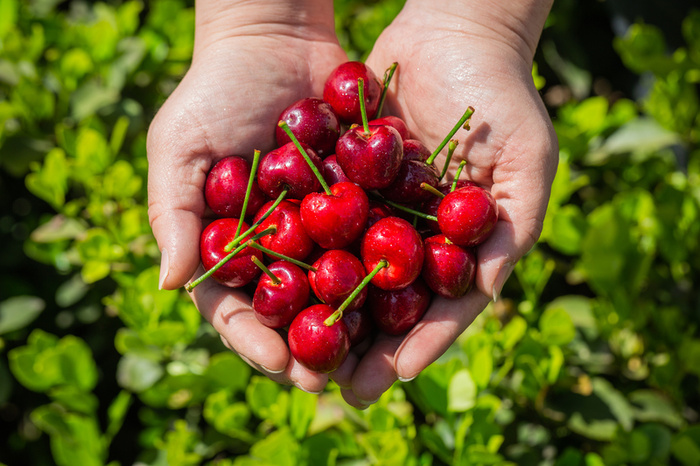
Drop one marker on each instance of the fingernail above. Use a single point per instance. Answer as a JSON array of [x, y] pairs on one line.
[[367, 403], [271, 371], [311, 392], [164, 263], [501, 279], [407, 379]]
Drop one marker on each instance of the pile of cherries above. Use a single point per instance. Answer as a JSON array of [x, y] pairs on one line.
[[346, 228]]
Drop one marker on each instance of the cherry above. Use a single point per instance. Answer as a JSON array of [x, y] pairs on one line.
[[281, 293], [430, 206], [448, 269], [337, 273], [394, 240], [371, 159], [239, 270], [290, 237], [407, 187], [395, 122], [332, 171], [313, 122], [468, 215], [359, 323], [341, 91], [413, 149], [337, 219], [225, 188], [286, 168], [315, 345], [396, 312]]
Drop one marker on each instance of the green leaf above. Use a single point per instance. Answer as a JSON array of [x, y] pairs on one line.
[[685, 446], [18, 312], [568, 227], [227, 370], [138, 373], [50, 180], [8, 15], [280, 448], [651, 406], [556, 326], [228, 416], [116, 413], [92, 153], [74, 399], [302, 409], [267, 400], [461, 392], [616, 401]]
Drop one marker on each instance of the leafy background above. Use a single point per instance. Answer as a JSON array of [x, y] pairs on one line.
[[591, 358]]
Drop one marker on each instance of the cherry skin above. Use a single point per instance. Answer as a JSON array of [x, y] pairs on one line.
[[332, 171], [313, 122], [286, 168], [395, 122], [341, 91], [395, 240], [334, 221], [359, 323], [413, 149], [406, 188], [337, 274], [225, 188], [239, 270], [431, 205], [448, 269], [467, 216], [315, 345], [291, 238], [371, 160], [276, 304], [396, 312]]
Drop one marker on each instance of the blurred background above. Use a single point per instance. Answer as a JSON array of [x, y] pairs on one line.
[[592, 357]]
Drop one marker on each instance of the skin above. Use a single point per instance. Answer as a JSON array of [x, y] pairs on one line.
[[252, 59]]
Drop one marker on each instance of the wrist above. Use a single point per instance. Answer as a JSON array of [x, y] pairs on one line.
[[221, 19], [517, 23]]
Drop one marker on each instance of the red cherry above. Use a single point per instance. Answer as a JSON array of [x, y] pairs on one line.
[[315, 345], [398, 311], [332, 171], [277, 303], [413, 149], [448, 269], [334, 221], [239, 270], [341, 91], [406, 188], [395, 240], [313, 122], [337, 274], [395, 122], [468, 215], [286, 168], [291, 238], [370, 160], [359, 323], [225, 188]]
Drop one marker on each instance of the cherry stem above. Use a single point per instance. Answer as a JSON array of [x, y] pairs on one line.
[[285, 127], [462, 123], [190, 286], [450, 150], [388, 74], [282, 256], [266, 271], [249, 188], [363, 107], [462, 164], [338, 314], [411, 211], [238, 238], [431, 189]]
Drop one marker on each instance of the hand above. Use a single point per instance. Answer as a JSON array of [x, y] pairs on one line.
[[250, 61], [448, 62]]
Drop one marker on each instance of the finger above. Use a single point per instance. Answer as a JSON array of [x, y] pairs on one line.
[[375, 372], [343, 375], [444, 321]]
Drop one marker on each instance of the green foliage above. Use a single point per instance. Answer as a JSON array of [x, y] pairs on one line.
[[590, 358]]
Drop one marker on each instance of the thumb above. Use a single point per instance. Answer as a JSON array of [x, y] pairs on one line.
[[176, 176]]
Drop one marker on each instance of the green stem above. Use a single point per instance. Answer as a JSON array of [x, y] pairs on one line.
[[282, 256], [462, 164], [285, 127], [265, 270], [237, 240], [363, 107], [388, 74], [191, 286], [450, 150], [431, 189], [249, 188], [338, 314], [462, 123], [411, 211]]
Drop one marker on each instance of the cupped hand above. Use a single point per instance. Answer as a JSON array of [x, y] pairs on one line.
[[447, 63], [241, 78]]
